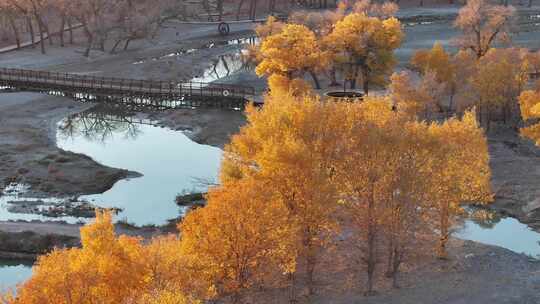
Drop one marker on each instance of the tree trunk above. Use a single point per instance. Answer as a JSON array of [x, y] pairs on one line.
[[333, 78], [47, 31], [315, 80], [390, 258], [220, 9], [127, 44], [31, 30], [354, 77], [239, 9], [253, 10], [395, 266], [62, 26], [488, 118], [116, 44], [371, 233], [451, 102], [310, 269], [15, 31], [41, 37], [102, 44], [365, 80], [70, 29], [271, 6], [444, 214], [292, 288], [90, 40]]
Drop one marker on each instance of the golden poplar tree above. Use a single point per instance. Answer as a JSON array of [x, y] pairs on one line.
[[417, 100], [498, 79], [230, 244], [106, 269], [438, 62], [461, 173], [365, 45], [289, 145], [292, 52]]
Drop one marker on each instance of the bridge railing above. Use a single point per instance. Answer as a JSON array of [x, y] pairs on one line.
[[128, 85]]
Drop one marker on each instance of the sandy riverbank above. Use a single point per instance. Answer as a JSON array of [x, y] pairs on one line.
[[515, 167], [29, 155]]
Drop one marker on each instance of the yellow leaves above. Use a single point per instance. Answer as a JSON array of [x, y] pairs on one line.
[[393, 33], [166, 297], [436, 60], [414, 100], [529, 102], [499, 76], [294, 49], [366, 43], [464, 160], [235, 236], [100, 234], [278, 83], [107, 269], [285, 176]]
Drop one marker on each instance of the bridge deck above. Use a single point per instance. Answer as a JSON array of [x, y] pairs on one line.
[[43, 80]]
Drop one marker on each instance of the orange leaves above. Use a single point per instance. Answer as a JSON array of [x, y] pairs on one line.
[[233, 240], [499, 77], [436, 60], [288, 178], [416, 100], [361, 44], [529, 102], [366, 44], [294, 49], [107, 269]]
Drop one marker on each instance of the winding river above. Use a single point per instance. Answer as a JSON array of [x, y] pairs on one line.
[[171, 163]]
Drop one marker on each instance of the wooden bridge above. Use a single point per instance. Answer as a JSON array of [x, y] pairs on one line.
[[144, 93]]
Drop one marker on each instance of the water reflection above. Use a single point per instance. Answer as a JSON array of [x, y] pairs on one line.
[[223, 66], [488, 227], [102, 123], [169, 161], [13, 272]]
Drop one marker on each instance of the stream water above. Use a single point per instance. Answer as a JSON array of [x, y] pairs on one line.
[[168, 160], [503, 232], [12, 273], [170, 163]]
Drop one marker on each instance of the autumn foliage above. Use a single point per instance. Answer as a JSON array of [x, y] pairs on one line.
[[390, 174], [360, 45]]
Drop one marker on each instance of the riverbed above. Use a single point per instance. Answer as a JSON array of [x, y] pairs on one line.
[[168, 161], [170, 164], [13, 272]]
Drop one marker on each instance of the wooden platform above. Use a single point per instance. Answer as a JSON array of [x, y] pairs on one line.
[[159, 94]]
